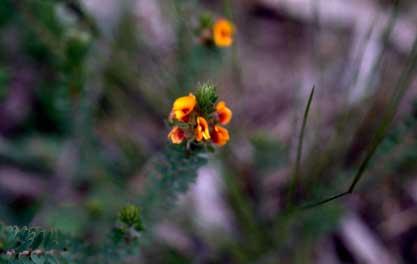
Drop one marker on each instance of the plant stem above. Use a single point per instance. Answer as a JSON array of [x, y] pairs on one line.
[[296, 171]]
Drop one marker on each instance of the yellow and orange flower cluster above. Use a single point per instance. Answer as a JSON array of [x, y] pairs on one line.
[[191, 125]]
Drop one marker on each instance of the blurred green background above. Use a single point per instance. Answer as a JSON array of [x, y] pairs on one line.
[[86, 88]]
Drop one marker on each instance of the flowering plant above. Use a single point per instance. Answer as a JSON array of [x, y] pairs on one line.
[[218, 33], [197, 119]]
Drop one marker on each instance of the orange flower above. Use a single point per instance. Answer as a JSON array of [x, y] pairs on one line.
[[224, 113], [176, 135], [202, 131], [223, 33], [183, 106], [220, 135]]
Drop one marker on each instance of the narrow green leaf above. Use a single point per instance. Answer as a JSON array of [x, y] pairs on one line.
[[299, 150]]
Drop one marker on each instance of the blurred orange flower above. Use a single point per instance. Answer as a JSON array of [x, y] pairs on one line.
[[183, 106], [223, 33], [224, 113], [176, 135], [202, 131], [220, 135]]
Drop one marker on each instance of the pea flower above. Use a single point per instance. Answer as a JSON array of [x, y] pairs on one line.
[[220, 135], [183, 106], [195, 118], [224, 113], [223, 31], [176, 135], [214, 32], [202, 130]]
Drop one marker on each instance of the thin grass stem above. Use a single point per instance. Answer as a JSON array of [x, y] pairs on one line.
[[296, 171]]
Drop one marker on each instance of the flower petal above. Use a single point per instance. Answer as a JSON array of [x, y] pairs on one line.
[[176, 135], [224, 113], [202, 130], [220, 135], [223, 33], [183, 106]]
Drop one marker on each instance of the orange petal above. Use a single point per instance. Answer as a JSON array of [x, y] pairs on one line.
[[176, 135], [220, 135], [223, 33], [224, 113]]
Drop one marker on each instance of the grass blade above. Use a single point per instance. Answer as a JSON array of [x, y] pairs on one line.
[[296, 171], [399, 92]]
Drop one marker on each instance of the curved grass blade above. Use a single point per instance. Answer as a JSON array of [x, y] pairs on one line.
[[296, 171]]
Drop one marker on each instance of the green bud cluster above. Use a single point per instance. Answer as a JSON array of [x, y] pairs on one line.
[[206, 98], [130, 216]]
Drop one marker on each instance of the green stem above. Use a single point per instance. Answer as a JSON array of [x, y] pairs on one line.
[[294, 179]]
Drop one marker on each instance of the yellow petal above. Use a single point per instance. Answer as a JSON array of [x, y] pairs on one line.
[[183, 106], [202, 130]]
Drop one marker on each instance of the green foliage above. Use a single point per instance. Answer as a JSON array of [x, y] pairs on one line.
[[268, 152], [57, 47], [399, 145], [35, 245], [174, 171], [206, 21], [195, 62], [130, 215], [285, 233], [397, 135], [172, 174], [4, 78]]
